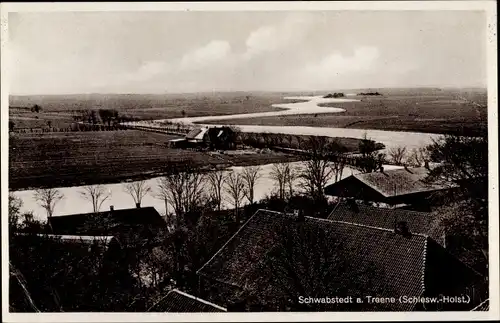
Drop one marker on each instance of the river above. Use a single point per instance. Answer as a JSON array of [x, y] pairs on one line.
[[73, 202], [390, 139]]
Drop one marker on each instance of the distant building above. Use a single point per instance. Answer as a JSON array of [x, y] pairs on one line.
[[275, 257], [207, 137], [180, 302], [396, 186]]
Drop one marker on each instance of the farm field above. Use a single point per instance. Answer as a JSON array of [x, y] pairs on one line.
[[415, 110], [60, 109], [78, 158]]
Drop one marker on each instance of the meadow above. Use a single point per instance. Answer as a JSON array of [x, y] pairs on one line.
[[416, 110], [77, 158], [60, 109]]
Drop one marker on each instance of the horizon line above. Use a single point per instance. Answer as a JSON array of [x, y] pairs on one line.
[[253, 91]]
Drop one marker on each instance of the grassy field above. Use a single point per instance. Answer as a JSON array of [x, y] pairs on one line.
[[418, 110], [60, 109], [77, 158]]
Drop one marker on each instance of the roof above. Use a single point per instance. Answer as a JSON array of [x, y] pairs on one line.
[[385, 218], [379, 261], [197, 134], [484, 306], [104, 223], [399, 181], [177, 301], [76, 238], [387, 185]]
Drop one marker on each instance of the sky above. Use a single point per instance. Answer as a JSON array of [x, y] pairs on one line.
[[200, 51]]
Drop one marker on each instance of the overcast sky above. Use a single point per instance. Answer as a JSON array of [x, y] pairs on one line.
[[158, 52]]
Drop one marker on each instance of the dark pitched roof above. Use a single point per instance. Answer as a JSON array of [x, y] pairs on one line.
[[484, 306], [395, 182], [385, 218], [402, 264], [103, 223], [399, 181], [177, 301]]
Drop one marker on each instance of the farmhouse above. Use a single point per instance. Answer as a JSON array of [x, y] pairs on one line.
[[127, 225], [178, 301], [275, 257], [207, 137], [393, 187]]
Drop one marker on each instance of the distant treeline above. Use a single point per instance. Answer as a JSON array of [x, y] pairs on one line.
[[334, 95], [74, 127], [369, 93]]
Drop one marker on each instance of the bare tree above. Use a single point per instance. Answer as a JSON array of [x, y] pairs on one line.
[[251, 175], [48, 198], [95, 194], [279, 175], [317, 171], [337, 164], [418, 156], [315, 175], [182, 189], [137, 190], [291, 175], [397, 155], [216, 180], [235, 187]]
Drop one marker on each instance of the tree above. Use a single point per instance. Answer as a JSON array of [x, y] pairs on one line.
[[316, 172], [48, 199], [49, 124], [216, 180], [279, 175], [12, 125], [337, 164], [462, 163], [95, 194], [418, 157], [183, 190], [235, 188], [36, 108], [370, 160], [397, 155], [15, 205], [183, 113], [138, 190], [251, 175]]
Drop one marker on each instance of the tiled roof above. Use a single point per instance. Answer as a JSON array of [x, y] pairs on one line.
[[399, 181], [418, 222], [177, 301], [400, 262], [105, 223], [484, 306]]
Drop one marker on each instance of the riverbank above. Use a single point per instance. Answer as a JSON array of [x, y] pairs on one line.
[[70, 159]]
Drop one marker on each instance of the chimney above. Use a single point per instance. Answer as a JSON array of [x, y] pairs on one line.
[[353, 205], [300, 215], [111, 208], [402, 229], [138, 205]]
